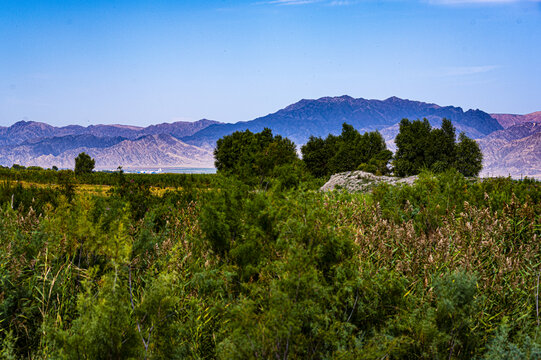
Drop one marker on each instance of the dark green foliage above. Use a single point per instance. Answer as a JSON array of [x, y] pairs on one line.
[[441, 149], [316, 154], [421, 147], [344, 154], [456, 309], [296, 273], [440, 327], [347, 152], [253, 157], [17, 167], [238, 226], [469, 158], [412, 143], [84, 164], [294, 176], [433, 196], [443, 269], [34, 168], [20, 198]]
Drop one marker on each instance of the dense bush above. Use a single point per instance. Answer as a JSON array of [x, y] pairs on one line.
[[254, 158], [446, 268]]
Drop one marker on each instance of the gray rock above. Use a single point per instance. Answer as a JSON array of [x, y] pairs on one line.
[[353, 181]]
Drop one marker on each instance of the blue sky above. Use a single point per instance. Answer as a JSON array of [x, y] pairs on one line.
[[146, 62]]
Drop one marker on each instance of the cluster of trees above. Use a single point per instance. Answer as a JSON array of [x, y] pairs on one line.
[[258, 157], [348, 151], [419, 146]]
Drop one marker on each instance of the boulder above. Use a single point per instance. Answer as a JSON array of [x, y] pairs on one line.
[[353, 181]]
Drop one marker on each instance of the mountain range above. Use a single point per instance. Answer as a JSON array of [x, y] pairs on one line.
[[325, 116], [22, 131], [509, 142], [33, 143]]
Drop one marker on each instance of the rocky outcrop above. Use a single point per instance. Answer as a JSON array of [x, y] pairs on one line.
[[353, 181]]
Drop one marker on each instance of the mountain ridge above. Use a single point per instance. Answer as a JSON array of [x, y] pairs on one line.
[[319, 117], [508, 120], [22, 131], [180, 144]]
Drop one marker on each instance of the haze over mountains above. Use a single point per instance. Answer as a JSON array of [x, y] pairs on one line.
[[510, 142]]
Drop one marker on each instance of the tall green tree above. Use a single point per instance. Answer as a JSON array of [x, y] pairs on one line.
[[372, 153], [469, 158], [315, 155], [253, 157], [441, 152], [84, 164], [345, 157], [412, 142], [419, 146]]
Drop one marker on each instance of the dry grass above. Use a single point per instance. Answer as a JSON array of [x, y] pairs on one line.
[[503, 249], [95, 190]]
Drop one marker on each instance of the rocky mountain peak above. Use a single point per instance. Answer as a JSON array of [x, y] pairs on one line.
[[336, 99]]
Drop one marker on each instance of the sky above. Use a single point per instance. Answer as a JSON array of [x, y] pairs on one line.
[[147, 62]]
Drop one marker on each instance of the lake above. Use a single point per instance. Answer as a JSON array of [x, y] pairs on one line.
[[171, 170]]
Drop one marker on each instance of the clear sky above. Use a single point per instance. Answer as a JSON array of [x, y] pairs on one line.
[[146, 62]]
